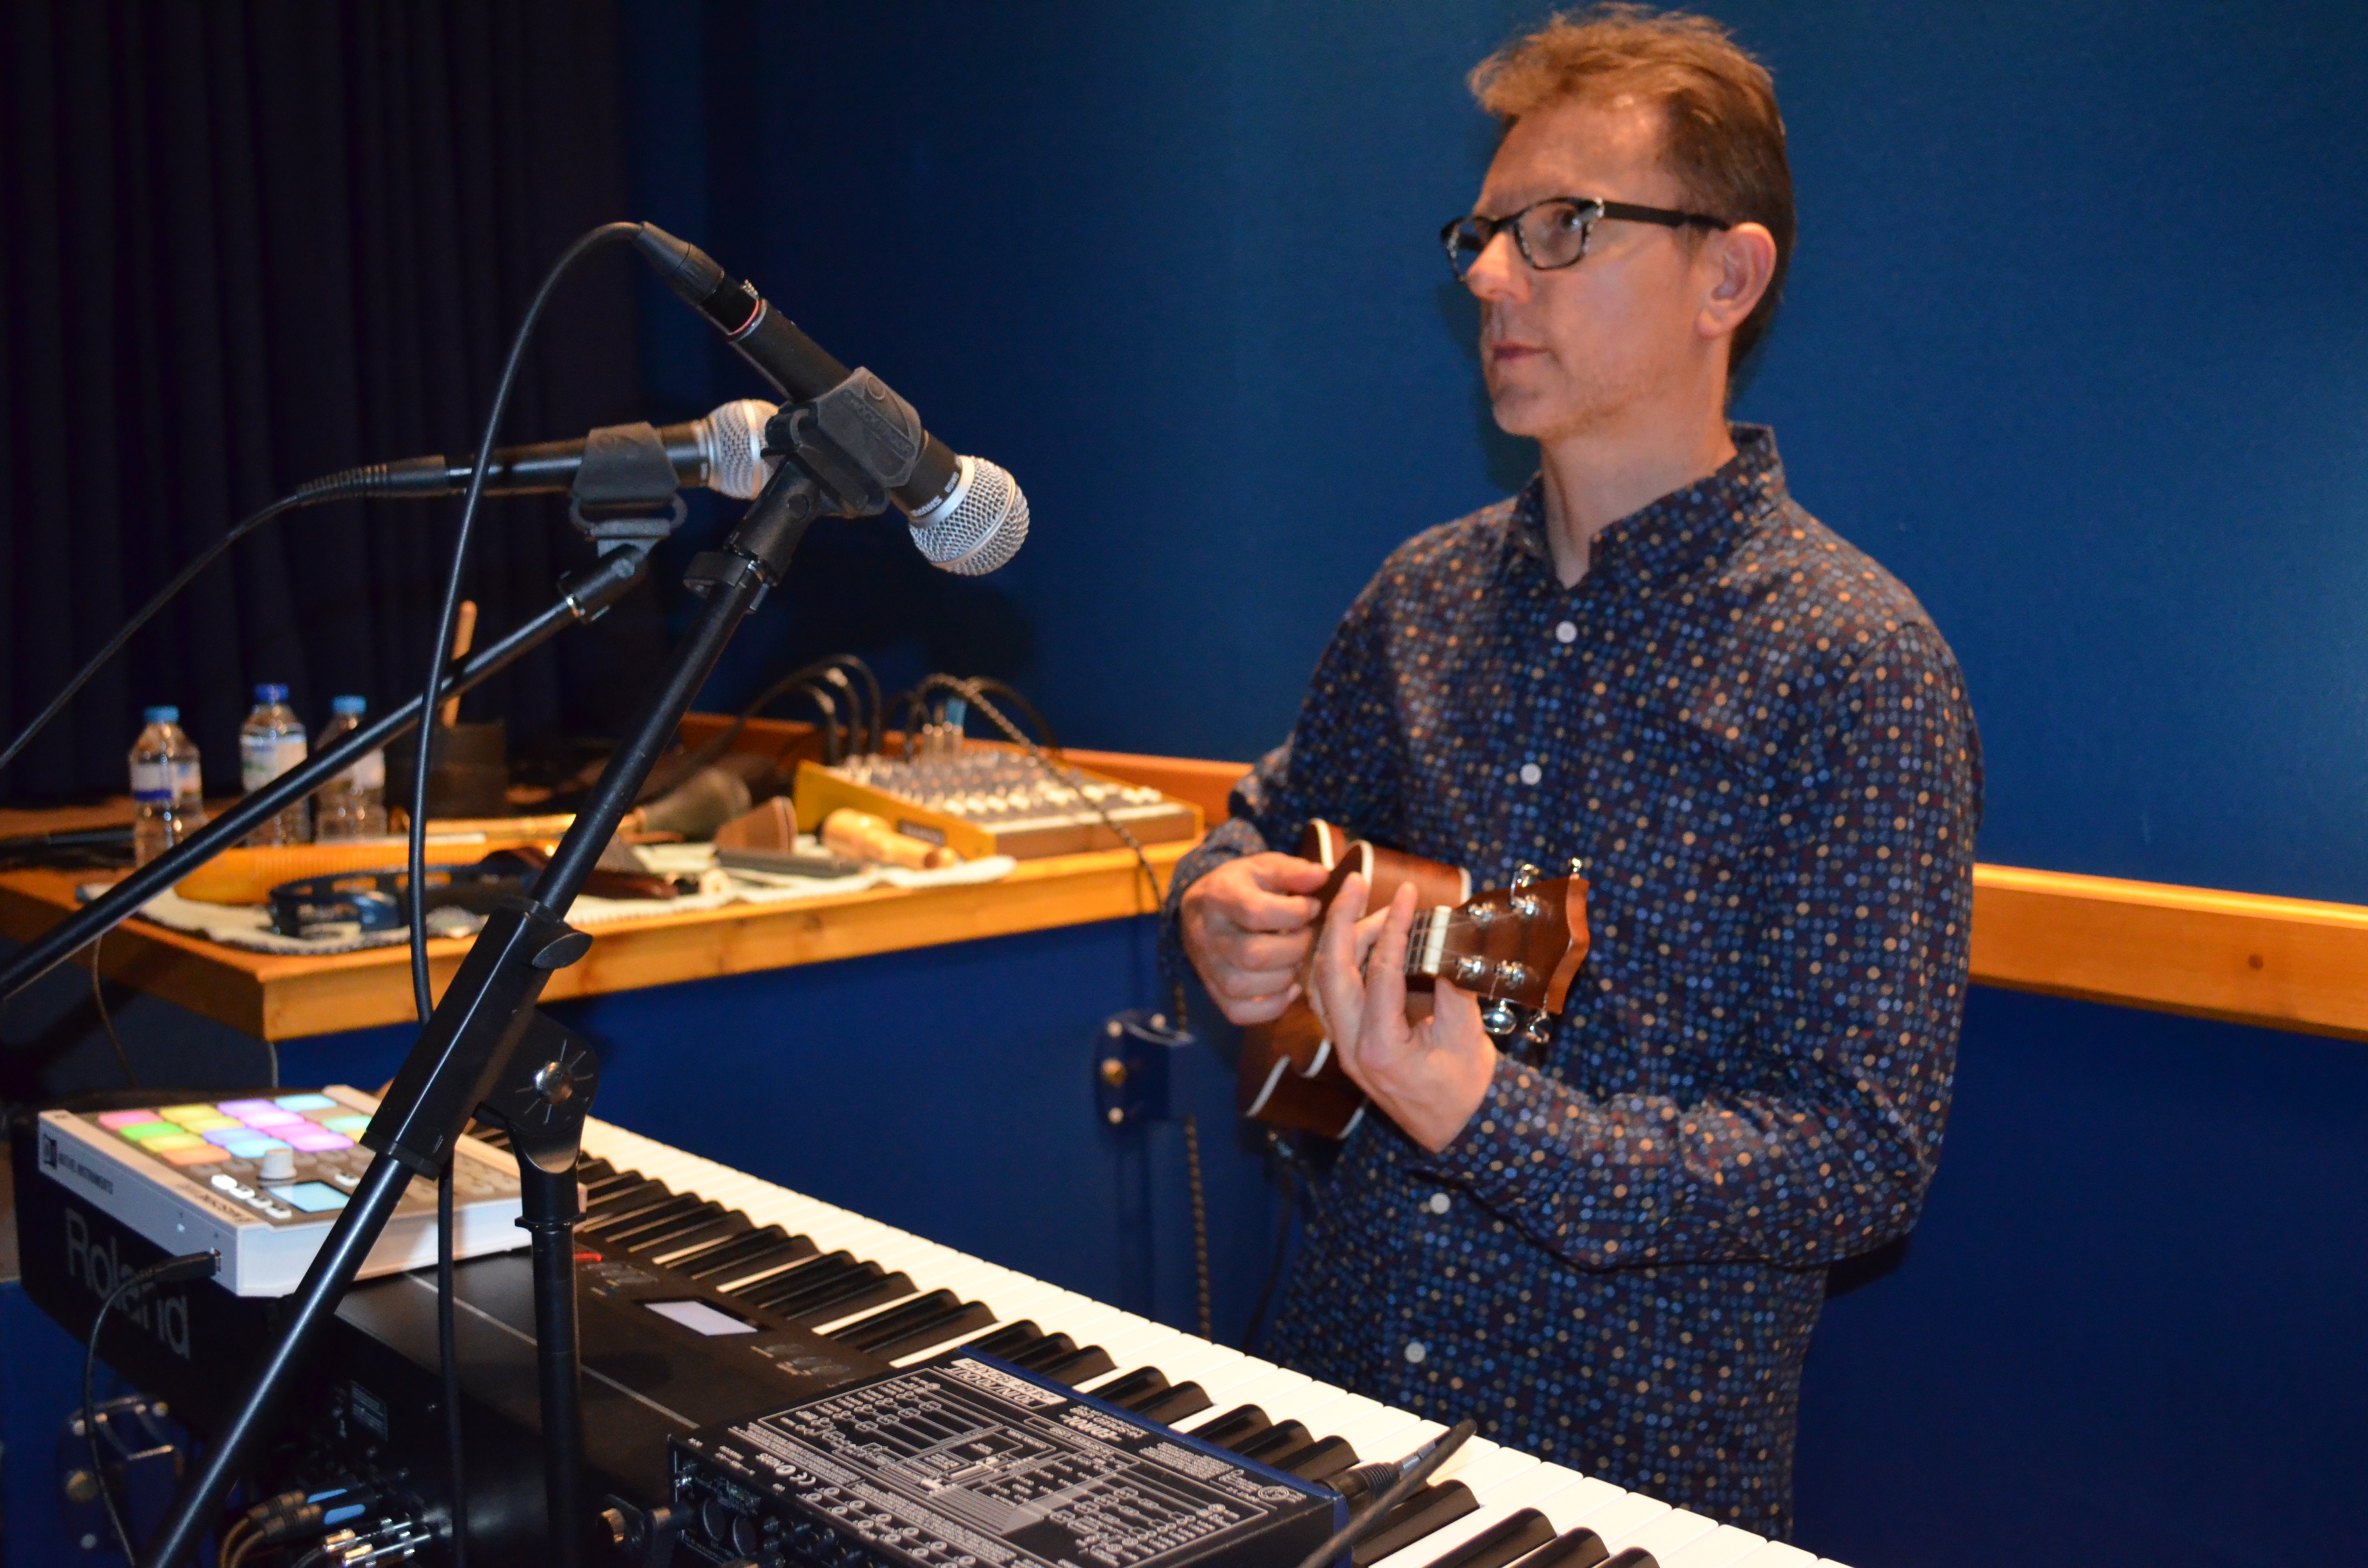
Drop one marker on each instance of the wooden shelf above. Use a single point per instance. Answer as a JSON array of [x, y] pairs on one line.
[[2247, 958]]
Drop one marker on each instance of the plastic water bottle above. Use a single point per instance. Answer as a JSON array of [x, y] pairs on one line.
[[269, 744], [353, 804], [168, 796]]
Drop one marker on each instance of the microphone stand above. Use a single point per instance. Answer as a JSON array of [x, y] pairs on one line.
[[485, 1044]]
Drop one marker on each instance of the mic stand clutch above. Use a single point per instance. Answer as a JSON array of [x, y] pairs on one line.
[[486, 1045]]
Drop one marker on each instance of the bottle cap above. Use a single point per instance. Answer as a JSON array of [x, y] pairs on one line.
[[356, 706], [268, 694], [165, 715]]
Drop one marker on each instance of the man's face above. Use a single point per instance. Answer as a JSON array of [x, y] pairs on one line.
[[1567, 351]]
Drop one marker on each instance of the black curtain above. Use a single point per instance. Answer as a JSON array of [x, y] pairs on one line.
[[245, 244]]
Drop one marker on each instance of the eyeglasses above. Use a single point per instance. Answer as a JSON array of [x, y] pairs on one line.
[[1552, 234]]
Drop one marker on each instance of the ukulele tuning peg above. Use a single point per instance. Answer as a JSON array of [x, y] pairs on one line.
[[1536, 1030], [1499, 1020], [1524, 875], [1578, 867]]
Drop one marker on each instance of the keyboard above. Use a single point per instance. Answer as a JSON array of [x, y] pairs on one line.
[[901, 1297]]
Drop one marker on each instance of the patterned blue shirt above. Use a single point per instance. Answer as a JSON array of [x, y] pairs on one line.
[[1762, 747]]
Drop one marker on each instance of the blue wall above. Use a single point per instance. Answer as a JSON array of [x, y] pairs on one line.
[[2073, 344]]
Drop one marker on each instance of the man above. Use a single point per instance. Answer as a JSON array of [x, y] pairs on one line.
[[1612, 1249]]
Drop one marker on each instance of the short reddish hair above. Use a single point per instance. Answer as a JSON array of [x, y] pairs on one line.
[[1722, 136]]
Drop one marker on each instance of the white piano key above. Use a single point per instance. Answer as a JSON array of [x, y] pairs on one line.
[[1620, 1515], [1665, 1533], [1725, 1547], [1480, 1463]]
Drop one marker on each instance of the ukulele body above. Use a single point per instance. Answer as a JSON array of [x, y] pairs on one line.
[[1521, 946]]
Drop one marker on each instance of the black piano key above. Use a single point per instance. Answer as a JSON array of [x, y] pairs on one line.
[[1081, 1364], [1434, 1507], [860, 1296], [628, 1184], [1043, 1349], [1280, 1438], [1183, 1400], [1241, 1421], [660, 1223], [635, 1203], [882, 1326], [622, 1223], [1633, 1557], [693, 1239], [806, 1276], [1580, 1547], [1007, 1338], [590, 1168], [922, 1330], [1142, 1383], [486, 1133], [1516, 1535], [1319, 1461], [758, 1251]]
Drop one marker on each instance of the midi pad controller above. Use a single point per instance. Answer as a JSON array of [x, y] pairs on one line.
[[966, 1462], [261, 1180]]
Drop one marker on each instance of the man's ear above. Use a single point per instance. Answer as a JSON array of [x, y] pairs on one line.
[[1743, 260]]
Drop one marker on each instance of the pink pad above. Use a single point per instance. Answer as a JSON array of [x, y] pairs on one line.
[[319, 1142], [116, 1120]]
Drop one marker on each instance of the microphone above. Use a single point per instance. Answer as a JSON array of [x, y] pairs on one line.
[[967, 515], [722, 451]]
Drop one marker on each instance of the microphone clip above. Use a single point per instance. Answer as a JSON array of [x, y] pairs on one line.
[[625, 495], [857, 441]]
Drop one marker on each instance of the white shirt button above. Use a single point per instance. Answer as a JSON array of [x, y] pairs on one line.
[[1566, 632], [1438, 1202], [1417, 1350], [1531, 773]]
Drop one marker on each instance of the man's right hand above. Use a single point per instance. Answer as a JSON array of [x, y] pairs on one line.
[[1248, 926]]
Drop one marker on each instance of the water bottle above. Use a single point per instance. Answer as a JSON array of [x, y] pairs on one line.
[[168, 796], [353, 804], [269, 744]]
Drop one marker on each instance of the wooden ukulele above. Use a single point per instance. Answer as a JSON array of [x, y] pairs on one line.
[[1517, 949]]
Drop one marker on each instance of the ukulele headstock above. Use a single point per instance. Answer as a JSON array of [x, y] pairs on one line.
[[1514, 946]]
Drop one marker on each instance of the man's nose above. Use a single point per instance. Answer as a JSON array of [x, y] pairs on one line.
[[1498, 272]]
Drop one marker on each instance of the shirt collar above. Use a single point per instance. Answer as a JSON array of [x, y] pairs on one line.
[[1700, 521]]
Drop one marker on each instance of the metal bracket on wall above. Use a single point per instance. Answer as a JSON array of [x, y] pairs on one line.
[[1131, 1071]]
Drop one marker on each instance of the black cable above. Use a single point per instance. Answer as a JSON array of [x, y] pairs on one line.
[[99, 1000], [1200, 1222], [415, 859], [345, 484], [1415, 1470], [439, 652], [172, 1271]]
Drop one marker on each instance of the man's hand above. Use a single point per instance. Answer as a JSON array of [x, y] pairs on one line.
[[1247, 927], [1428, 1076]]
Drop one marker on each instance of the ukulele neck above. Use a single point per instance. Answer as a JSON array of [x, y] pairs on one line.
[[1426, 941]]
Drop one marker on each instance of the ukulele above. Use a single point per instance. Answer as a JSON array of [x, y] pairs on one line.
[[1517, 949]]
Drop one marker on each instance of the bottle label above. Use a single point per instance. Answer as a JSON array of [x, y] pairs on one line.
[[370, 773], [189, 782], [262, 758], [152, 783]]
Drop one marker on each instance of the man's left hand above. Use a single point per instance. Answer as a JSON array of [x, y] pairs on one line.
[[1430, 1076]]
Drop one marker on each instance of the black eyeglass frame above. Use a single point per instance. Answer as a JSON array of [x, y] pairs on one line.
[[1624, 211]]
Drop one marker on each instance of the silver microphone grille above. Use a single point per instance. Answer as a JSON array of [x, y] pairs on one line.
[[980, 524], [732, 437]]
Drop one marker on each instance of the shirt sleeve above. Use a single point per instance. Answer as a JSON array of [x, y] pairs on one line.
[[1340, 762], [1862, 938]]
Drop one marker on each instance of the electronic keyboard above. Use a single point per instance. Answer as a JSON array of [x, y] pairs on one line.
[[902, 1298]]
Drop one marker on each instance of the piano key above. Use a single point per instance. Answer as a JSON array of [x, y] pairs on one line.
[[1577, 1546], [1725, 1547], [1322, 1459], [1237, 1425], [1010, 1337], [1422, 1514], [747, 1256], [1279, 1437], [1622, 1515], [1516, 1535], [1665, 1534], [925, 1320], [637, 1209], [805, 1275], [851, 1298], [657, 1229], [1129, 1386], [1087, 1361], [1534, 1488], [1184, 1398]]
